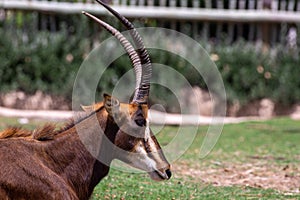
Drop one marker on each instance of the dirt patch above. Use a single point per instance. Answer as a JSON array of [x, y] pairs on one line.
[[256, 173]]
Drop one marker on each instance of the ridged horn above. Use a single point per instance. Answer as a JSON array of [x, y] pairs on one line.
[[134, 57], [142, 95]]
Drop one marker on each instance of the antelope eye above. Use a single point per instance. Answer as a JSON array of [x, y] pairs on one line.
[[140, 122]]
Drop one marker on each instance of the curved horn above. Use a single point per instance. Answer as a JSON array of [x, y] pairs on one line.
[[134, 57], [141, 96]]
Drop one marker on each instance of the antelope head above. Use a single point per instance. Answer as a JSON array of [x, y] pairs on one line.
[[138, 145]]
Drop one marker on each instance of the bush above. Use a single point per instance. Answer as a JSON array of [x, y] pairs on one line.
[[250, 74], [39, 61]]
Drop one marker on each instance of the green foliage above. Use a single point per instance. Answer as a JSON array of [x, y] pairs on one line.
[[250, 74], [39, 60], [49, 61], [287, 79]]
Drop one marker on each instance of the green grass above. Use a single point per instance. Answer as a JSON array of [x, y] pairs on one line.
[[127, 186], [270, 145], [274, 142], [132, 186], [278, 138]]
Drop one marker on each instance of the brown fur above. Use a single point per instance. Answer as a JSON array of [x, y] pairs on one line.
[[49, 163]]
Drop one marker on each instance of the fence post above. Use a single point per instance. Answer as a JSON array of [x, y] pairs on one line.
[[252, 27], [231, 25]]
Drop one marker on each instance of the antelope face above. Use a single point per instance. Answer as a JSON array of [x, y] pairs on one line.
[[140, 147]]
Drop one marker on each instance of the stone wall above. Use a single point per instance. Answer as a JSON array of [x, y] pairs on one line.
[[37, 101]]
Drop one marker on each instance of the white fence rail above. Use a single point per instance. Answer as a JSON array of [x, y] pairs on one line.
[[264, 20], [153, 12]]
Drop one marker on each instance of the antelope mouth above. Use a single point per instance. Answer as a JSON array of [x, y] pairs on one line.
[[157, 175]]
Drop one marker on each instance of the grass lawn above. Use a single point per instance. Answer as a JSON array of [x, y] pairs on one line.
[[252, 160]]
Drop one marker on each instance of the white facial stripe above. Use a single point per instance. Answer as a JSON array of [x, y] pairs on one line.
[[153, 148], [142, 161], [146, 160], [147, 131]]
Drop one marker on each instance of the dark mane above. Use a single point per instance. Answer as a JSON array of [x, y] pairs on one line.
[[14, 132], [46, 132], [77, 119]]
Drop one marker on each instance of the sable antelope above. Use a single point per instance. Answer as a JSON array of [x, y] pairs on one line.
[[55, 164]]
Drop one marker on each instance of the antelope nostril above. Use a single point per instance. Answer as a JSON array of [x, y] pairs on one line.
[[169, 173]]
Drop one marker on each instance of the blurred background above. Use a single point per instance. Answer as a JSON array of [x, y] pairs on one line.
[[254, 43]]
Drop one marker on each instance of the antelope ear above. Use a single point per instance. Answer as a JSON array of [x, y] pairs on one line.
[[111, 104], [92, 107]]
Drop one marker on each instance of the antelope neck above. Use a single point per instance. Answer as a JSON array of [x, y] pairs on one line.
[[106, 154]]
